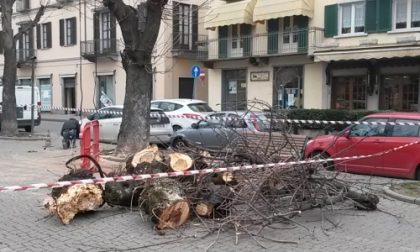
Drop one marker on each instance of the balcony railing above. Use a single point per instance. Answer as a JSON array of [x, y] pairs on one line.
[[268, 44], [99, 48], [24, 56], [190, 51]]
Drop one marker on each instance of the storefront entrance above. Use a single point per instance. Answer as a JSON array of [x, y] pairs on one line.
[[349, 92], [234, 94], [399, 92], [288, 86]]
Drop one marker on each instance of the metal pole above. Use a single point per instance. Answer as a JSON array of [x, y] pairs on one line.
[[33, 95]]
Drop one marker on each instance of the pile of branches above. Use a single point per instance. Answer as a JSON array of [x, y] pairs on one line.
[[238, 200]]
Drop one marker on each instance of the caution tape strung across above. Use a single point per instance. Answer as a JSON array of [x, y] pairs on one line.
[[191, 173], [200, 117]]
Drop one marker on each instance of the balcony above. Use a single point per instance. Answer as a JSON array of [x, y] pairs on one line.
[[262, 45], [94, 49], [190, 51], [24, 56]]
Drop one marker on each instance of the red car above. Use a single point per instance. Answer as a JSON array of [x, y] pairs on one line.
[[361, 139]]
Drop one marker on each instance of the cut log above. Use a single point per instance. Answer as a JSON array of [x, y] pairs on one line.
[[225, 178], [165, 202], [77, 199], [180, 162], [214, 200], [124, 193], [74, 174], [149, 160]]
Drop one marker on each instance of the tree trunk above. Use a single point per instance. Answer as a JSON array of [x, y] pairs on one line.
[[140, 30], [8, 117]]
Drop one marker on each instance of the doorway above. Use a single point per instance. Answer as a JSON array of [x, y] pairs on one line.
[[288, 86], [400, 92], [234, 90], [186, 88], [69, 101], [46, 94]]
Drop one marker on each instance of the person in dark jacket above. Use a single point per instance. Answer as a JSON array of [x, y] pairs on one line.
[[70, 132]]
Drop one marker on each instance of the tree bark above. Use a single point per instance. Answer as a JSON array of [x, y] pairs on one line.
[[8, 117], [136, 60]]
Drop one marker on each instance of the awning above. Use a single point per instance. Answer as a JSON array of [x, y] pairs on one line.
[[223, 13], [271, 9], [368, 53]]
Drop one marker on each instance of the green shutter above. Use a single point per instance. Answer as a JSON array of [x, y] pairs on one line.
[[223, 41], [331, 20], [378, 15], [385, 15], [302, 23], [371, 16], [246, 33], [273, 36]]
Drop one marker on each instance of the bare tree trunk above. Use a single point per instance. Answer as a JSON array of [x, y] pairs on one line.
[[9, 121], [140, 29]]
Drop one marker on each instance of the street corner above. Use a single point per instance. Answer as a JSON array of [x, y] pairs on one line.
[[407, 192]]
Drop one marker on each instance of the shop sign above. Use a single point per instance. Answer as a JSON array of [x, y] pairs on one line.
[[260, 76]]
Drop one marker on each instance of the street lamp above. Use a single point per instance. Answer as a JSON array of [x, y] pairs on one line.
[[33, 58]]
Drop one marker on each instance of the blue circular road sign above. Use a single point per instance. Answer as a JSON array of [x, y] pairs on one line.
[[195, 71]]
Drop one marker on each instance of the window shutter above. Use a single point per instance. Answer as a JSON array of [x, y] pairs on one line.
[[384, 15], [49, 35], [246, 32], [113, 32], [273, 36], [195, 10], [223, 41], [73, 30], [175, 27], [1, 42], [302, 23], [31, 39], [26, 5], [38, 36], [61, 32], [331, 20], [371, 16]]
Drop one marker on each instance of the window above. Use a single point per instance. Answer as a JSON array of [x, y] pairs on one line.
[[406, 14], [22, 5], [105, 30], [184, 24], [43, 35], [68, 31], [349, 92], [406, 130], [369, 130], [200, 107], [352, 18], [169, 106], [105, 92], [25, 51]]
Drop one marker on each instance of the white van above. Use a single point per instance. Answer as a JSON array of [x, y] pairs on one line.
[[23, 103]]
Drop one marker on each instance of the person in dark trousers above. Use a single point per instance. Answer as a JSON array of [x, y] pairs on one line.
[[70, 132]]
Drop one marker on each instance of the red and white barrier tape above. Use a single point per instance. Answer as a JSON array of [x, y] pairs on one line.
[[241, 117], [192, 172]]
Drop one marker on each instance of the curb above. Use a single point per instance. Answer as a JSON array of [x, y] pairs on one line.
[[401, 197], [53, 120], [24, 138]]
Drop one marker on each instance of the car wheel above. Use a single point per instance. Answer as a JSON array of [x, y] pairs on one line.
[[329, 165], [28, 128], [179, 143], [418, 173], [176, 127]]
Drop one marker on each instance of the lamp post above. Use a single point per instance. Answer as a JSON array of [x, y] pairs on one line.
[[33, 58]]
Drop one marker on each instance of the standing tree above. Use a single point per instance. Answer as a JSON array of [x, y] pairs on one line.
[[9, 121], [140, 28]]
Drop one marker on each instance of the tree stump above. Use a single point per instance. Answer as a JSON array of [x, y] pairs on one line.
[[124, 193], [214, 200], [180, 162]]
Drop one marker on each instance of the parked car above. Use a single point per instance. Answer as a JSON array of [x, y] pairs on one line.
[[110, 120], [370, 139], [182, 107], [23, 106], [256, 121], [212, 134]]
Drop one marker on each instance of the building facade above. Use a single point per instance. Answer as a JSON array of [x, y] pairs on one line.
[[340, 54], [77, 49]]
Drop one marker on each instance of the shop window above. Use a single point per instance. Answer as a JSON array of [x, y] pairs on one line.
[[288, 85], [400, 93], [349, 93]]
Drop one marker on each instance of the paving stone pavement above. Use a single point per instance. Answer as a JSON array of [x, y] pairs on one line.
[[25, 226]]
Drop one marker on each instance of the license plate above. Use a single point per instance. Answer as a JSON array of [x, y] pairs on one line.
[[158, 126]]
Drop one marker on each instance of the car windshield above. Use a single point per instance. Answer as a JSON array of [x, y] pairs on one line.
[[200, 107]]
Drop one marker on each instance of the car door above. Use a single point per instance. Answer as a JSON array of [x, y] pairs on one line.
[[212, 134], [105, 119], [361, 140], [114, 123], [402, 163]]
